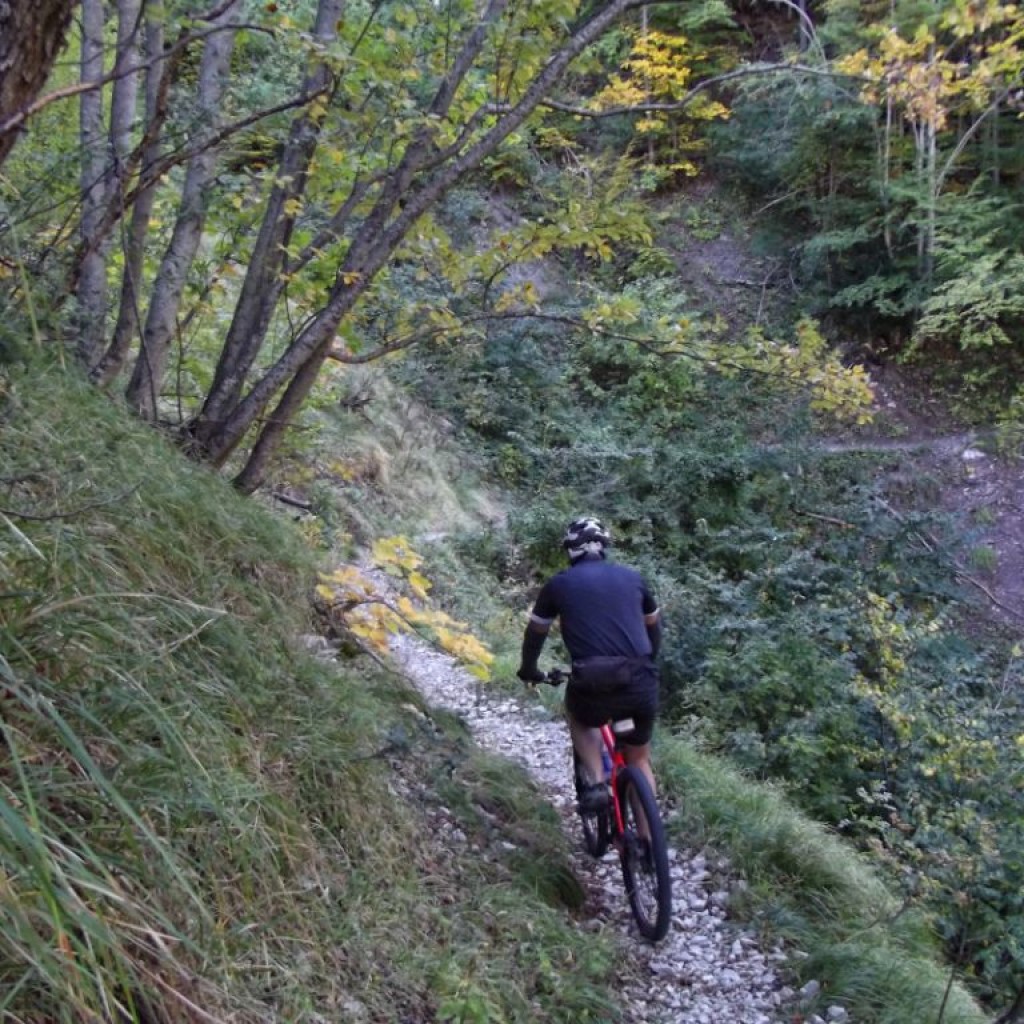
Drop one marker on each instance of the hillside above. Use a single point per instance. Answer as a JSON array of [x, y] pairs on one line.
[[961, 465], [205, 823], [425, 282]]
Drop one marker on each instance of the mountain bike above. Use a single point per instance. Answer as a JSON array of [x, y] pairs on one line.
[[631, 825]]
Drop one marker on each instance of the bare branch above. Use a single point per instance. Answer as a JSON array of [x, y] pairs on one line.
[[749, 71], [171, 160]]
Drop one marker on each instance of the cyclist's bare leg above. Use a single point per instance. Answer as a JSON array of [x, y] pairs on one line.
[[588, 744], [640, 757]]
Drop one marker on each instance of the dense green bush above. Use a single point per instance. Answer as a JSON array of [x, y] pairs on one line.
[[813, 635]]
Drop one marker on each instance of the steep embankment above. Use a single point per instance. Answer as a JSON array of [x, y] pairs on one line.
[[200, 821]]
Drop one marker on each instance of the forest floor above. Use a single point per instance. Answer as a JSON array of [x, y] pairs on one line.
[[941, 462], [981, 489]]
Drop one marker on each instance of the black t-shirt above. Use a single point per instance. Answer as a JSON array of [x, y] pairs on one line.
[[601, 606]]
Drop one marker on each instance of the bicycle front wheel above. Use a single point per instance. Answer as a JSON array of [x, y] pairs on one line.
[[644, 855]]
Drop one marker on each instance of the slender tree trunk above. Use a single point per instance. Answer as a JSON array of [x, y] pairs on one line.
[[645, 30], [92, 281], [381, 233], [291, 401], [147, 377], [32, 33], [994, 140], [111, 168], [261, 287], [129, 319], [918, 129], [886, 173], [126, 84], [931, 166], [804, 18]]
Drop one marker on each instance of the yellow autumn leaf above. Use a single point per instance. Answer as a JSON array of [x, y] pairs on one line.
[[419, 584]]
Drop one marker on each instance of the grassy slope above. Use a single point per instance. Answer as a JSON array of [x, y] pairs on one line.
[[201, 822], [198, 815]]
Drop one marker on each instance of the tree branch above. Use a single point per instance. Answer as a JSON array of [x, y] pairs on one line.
[[750, 71], [154, 173]]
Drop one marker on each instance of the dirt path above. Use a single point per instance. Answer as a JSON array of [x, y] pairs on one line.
[[707, 970]]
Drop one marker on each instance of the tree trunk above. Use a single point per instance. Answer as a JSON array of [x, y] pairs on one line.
[[273, 430], [103, 169], [32, 33], [933, 188], [92, 281], [147, 377], [129, 318], [261, 287], [885, 175], [403, 200]]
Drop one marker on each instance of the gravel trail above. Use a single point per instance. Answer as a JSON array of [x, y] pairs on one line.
[[707, 970]]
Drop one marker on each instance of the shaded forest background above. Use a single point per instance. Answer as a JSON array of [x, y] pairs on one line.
[[255, 226]]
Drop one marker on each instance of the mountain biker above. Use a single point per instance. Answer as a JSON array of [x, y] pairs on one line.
[[611, 626]]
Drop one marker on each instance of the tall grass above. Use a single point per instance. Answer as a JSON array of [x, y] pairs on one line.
[[805, 885], [198, 821]]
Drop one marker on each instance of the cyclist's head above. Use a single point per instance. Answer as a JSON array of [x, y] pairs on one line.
[[586, 536]]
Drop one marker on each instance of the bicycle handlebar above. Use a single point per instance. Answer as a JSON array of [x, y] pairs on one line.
[[555, 677]]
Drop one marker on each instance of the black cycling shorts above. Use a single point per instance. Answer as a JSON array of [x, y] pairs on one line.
[[636, 698]]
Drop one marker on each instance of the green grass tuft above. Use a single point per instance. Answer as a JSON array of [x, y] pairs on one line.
[[199, 821], [805, 885]]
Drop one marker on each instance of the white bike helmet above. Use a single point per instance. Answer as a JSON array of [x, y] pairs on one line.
[[586, 536]]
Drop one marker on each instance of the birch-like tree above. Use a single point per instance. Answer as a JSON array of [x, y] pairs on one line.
[[169, 283], [283, 156]]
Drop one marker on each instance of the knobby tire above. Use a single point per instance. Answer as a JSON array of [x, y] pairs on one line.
[[647, 880]]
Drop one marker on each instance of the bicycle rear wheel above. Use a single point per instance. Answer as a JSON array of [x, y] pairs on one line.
[[644, 855], [597, 828]]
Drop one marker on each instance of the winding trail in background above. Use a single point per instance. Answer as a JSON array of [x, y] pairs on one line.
[[707, 970]]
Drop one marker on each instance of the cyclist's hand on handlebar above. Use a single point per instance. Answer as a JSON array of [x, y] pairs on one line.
[[531, 676], [553, 678]]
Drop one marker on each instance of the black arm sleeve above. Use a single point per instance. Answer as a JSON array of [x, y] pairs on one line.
[[533, 641]]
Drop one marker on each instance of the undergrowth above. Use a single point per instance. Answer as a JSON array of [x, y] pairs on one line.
[[200, 821], [874, 953]]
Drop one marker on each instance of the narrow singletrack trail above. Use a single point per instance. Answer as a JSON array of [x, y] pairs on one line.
[[707, 970]]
